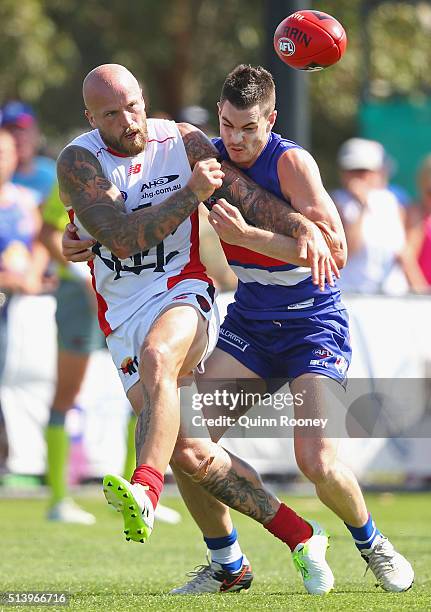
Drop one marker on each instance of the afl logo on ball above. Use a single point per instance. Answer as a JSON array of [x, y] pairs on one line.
[[286, 46]]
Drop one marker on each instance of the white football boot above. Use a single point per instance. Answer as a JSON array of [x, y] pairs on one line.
[[133, 503], [212, 578], [309, 559], [392, 571]]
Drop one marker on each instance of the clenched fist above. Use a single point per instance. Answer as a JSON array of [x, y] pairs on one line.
[[207, 176]]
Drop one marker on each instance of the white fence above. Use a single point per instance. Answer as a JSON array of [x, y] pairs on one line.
[[391, 338]]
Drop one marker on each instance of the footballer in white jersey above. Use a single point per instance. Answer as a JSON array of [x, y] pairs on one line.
[[145, 180]]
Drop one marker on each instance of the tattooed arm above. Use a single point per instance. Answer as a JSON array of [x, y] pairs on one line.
[[197, 145], [259, 207], [100, 206]]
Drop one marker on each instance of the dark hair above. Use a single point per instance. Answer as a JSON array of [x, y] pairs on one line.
[[247, 85]]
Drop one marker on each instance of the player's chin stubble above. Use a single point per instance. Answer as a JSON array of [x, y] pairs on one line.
[[125, 147]]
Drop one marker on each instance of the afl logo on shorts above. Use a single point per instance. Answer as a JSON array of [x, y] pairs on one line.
[[322, 353], [286, 46], [124, 195], [204, 305]]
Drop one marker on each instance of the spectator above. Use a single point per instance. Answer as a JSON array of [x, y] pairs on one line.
[[388, 170], [419, 231], [33, 171], [78, 335], [19, 223], [372, 222]]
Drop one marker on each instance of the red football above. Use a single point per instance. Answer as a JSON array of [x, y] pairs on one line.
[[310, 40]]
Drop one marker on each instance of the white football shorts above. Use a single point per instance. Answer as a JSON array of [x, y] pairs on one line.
[[125, 342]]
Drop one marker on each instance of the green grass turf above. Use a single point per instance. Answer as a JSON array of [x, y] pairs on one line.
[[103, 572]]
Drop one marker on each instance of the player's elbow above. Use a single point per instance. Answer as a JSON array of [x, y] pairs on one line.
[[121, 238], [120, 252], [118, 248], [111, 241]]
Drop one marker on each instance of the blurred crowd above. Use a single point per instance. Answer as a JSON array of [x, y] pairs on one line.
[[388, 234]]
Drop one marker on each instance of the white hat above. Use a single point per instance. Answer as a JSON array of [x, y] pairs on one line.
[[361, 154]]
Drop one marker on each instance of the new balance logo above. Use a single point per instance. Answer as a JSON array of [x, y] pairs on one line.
[[134, 169]]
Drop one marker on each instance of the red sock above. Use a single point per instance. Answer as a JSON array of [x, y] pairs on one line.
[[148, 476], [288, 527]]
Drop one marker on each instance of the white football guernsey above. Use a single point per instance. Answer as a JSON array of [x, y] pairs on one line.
[[147, 179]]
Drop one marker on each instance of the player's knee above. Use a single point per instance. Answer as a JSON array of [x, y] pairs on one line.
[[185, 457], [155, 362], [316, 467]]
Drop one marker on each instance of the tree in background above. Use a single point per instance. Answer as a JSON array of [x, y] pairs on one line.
[[182, 49], [33, 55]]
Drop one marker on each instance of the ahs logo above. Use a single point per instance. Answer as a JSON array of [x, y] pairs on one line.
[[129, 365], [286, 46], [159, 182]]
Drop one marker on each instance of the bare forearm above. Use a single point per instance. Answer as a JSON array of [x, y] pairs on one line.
[[413, 273], [336, 241], [259, 207], [274, 245], [11, 282]]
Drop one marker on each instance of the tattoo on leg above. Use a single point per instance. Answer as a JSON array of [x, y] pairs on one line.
[[240, 493], [142, 424]]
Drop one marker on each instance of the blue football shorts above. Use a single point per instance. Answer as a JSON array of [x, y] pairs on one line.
[[285, 349]]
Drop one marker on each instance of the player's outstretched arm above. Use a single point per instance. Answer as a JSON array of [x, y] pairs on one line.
[[100, 207]]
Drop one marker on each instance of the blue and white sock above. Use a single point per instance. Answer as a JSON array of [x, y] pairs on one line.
[[365, 536], [226, 551]]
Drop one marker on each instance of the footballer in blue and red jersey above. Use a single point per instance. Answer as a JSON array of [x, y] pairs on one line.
[[281, 325]]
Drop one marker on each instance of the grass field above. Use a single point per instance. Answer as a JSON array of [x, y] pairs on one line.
[[101, 571]]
